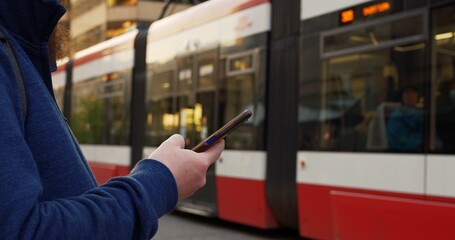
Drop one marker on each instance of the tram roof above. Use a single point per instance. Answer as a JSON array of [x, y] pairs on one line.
[[198, 15], [107, 47]]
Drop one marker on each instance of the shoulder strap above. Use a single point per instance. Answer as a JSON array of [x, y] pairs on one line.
[[18, 72]]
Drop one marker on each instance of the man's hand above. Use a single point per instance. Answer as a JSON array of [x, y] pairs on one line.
[[189, 168]]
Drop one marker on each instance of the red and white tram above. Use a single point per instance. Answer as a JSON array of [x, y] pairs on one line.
[[351, 135], [99, 105]]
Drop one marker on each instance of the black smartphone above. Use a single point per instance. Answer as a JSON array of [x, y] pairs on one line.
[[223, 131]]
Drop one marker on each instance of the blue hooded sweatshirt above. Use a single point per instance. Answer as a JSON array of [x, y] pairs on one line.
[[47, 190]]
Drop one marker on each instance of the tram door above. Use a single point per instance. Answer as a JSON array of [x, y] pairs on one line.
[[196, 105]]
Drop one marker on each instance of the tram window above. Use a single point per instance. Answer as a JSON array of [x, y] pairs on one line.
[[101, 109], [86, 111], [238, 96], [370, 100], [242, 63], [244, 87], [161, 122], [442, 130], [241, 89]]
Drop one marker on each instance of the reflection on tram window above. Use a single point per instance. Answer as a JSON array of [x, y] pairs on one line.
[[243, 87], [238, 95], [100, 111], [161, 121], [181, 98], [194, 94], [442, 128], [347, 99], [239, 92]]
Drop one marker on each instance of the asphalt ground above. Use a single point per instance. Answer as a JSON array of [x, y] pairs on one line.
[[176, 226]]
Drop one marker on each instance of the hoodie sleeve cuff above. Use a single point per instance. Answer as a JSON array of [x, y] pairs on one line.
[[160, 184]]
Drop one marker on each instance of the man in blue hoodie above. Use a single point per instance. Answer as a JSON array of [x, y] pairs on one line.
[[47, 190]]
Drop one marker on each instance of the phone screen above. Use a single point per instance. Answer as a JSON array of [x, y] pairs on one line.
[[223, 131]]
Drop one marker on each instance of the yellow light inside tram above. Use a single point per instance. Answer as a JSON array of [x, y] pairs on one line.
[[186, 117], [176, 120], [198, 114], [149, 118], [131, 2], [443, 36], [166, 85], [127, 24], [189, 113], [168, 121]]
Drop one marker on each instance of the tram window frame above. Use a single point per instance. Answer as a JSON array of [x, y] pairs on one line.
[[423, 36], [251, 69]]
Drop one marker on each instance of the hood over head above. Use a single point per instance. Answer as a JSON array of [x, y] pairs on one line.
[[31, 23]]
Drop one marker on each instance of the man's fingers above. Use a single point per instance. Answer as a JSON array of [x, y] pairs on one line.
[[214, 152]]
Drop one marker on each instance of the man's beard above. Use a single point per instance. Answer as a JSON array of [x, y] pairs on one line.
[[58, 42]]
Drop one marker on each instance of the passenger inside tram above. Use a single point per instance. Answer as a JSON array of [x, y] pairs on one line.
[[405, 124]]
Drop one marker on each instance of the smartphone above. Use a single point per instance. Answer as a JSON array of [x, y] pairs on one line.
[[223, 131]]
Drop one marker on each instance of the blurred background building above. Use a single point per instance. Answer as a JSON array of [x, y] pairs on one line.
[[92, 21]]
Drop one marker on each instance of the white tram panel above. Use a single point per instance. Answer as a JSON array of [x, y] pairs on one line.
[[312, 8], [250, 165], [104, 63], [402, 173], [440, 176], [188, 32]]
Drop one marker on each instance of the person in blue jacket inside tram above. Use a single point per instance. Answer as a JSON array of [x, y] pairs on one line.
[[47, 190], [405, 124]]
